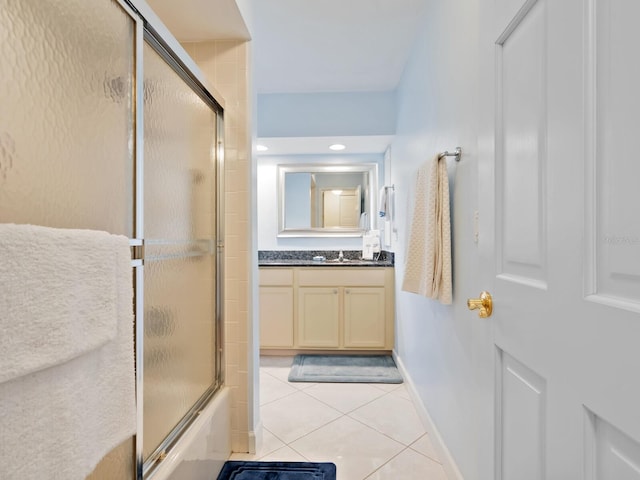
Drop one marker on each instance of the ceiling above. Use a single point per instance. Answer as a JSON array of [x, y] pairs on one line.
[[200, 20], [320, 145], [308, 46], [332, 45]]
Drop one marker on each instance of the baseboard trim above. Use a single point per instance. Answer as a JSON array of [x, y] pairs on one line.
[[255, 439], [448, 463]]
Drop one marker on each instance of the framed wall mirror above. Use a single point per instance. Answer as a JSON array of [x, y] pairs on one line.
[[326, 200]]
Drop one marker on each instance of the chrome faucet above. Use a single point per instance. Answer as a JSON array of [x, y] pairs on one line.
[[340, 256]]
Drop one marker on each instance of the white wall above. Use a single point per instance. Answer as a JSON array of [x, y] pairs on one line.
[[267, 193], [326, 114], [437, 111]]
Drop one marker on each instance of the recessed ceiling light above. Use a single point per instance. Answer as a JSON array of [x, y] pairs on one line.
[[337, 146], [262, 148]]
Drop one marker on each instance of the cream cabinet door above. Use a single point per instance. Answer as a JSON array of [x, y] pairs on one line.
[[318, 317], [276, 317], [364, 317]]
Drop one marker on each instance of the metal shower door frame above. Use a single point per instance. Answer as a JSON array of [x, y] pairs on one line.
[[145, 32]]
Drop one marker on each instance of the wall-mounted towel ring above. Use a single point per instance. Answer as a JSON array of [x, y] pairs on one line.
[[457, 153]]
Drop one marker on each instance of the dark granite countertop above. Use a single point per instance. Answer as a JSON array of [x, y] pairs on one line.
[[304, 258]]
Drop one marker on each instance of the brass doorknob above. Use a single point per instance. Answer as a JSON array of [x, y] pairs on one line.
[[484, 303]]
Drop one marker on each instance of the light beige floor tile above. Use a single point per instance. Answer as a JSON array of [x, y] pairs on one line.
[[387, 387], [296, 415], [284, 454], [267, 361], [344, 397], [270, 443], [356, 449], [410, 465], [305, 422], [278, 367], [392, 415], [302, 385], [424, 446], [402, 391], [272, 389]]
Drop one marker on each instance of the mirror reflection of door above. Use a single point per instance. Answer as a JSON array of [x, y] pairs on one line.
[[315, 217], [340, 207]]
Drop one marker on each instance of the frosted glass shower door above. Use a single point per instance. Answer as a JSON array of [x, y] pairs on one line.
[[67, 155], [66, 127], [180, 252]]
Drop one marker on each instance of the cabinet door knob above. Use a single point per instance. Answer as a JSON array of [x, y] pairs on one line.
[[335, 290], [347, 291]]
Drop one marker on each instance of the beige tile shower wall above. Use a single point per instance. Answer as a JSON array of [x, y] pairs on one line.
[[225, 65]]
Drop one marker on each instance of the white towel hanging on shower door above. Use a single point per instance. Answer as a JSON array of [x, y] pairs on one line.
[[68, 397]]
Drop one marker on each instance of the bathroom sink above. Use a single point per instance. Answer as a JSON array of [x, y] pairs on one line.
[[349, 261]]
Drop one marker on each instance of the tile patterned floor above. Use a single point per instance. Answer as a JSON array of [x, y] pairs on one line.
[[370, 431]]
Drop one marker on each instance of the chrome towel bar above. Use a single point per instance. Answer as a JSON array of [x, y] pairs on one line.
[[457, 153]]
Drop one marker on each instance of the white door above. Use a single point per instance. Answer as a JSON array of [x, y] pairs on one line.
[[559, 191], [341, 208]]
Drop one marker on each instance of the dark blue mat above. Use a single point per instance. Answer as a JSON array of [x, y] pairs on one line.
[[234, 470]]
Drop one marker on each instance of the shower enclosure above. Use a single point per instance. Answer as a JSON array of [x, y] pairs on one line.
[[182, 354], [105, 127]]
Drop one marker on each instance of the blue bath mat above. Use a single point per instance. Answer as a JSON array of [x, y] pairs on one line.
[[277, 471], [344, 369]]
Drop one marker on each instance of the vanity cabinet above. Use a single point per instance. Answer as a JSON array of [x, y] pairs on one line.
[[333, 308], [364, 317], [276, 308], [318, 317]]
